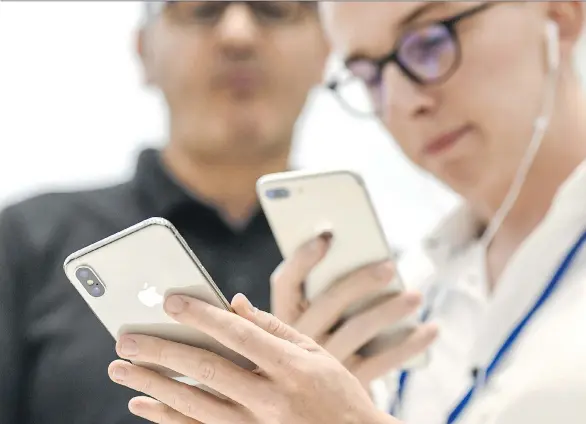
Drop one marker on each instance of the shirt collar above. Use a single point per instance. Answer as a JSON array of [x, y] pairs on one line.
[[163, 196], [532, 265], [157, 188]]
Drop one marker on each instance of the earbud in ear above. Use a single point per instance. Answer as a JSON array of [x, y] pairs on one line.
[[552, 39]]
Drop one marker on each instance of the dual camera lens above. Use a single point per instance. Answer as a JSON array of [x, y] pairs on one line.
[[90, 281], [277, 193]]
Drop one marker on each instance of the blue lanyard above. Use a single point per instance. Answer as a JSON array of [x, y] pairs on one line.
[[509, 341]]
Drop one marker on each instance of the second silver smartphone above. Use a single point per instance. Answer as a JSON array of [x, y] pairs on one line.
[[300, 205], [125, 278]]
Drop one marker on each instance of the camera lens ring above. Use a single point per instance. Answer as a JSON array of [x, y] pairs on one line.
[[96, 290], [90, 281], [277, 193], [82, 273]]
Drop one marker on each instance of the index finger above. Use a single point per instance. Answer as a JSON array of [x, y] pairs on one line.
[[288, 279], [267, 351]]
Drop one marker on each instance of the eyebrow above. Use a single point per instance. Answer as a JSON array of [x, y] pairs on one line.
[[417, 13], [420, 11]]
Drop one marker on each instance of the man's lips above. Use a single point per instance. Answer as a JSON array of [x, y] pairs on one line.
[[445, 141], [240, 80]]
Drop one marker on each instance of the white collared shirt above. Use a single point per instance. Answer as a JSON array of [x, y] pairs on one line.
[[543, 378]]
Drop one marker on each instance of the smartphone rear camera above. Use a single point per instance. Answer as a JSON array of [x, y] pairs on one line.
[[278, 193], [90, 281]]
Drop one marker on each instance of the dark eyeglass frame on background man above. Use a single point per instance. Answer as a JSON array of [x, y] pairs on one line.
[[210, 13], [427, 54]]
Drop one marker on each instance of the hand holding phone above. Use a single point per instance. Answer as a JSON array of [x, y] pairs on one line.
[[125, 279], [345, 338], [344, 290]]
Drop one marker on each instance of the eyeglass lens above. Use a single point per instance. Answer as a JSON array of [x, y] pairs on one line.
[[211, 12], [426, 55], [429, 53]]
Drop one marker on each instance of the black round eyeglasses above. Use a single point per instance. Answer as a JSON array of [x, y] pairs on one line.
[[427, 54]]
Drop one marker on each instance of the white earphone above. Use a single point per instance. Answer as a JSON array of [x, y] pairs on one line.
[[552, 38], [552, 46]]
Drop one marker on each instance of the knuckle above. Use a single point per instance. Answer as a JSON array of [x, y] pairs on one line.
[[204, 371], [162, 353], [307, 343], [274, 325], [285, 360], [329, 371], [182, 402], [166, 415], [305, 374], [146, 386], [290, 368], [239, 333]]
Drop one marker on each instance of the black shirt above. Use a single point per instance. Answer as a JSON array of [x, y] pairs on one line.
[[54, 353]]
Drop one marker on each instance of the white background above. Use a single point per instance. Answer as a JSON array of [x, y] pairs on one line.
[[70, 89]]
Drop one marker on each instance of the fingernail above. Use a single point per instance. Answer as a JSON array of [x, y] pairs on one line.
[[175, 304], [249, 305], [385, 270], [128, 347], [119, 373], [316, 245], [326, 236]]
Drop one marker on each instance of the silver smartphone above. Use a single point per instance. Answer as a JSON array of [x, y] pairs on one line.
[[299, 205], [125, 279]]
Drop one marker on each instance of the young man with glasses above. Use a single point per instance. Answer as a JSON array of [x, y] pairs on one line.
[[484, 96]]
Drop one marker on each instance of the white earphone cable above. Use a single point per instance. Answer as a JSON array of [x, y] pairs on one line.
[[540, 127]]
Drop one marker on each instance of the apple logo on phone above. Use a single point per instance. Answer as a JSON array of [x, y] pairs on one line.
[[149, 297]]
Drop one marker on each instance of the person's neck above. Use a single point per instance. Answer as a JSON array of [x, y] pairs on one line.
[[535, 200], [562, 151], [229, 186]]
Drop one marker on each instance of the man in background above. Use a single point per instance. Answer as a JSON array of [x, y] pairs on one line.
[[235, 77]]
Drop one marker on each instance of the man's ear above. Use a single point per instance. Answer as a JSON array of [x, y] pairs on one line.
[[143, 51]]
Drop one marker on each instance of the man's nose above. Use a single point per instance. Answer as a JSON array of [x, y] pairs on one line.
[[238, 30], [403, 97]]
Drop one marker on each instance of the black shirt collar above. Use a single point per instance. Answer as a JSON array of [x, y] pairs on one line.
[[160, 193], [163, 196]]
